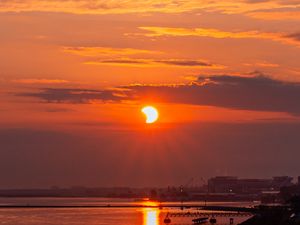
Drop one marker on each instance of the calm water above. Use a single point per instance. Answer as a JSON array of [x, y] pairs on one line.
[[89, 216]]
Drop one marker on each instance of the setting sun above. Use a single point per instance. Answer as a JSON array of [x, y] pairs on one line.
[[151, 114]]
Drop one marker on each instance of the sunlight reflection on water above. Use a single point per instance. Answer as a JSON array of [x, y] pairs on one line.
[[150, 216]]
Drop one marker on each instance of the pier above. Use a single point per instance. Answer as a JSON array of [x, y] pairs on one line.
[[208, 214]]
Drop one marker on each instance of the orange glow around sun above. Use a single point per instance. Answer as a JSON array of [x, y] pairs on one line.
[[151, 114]]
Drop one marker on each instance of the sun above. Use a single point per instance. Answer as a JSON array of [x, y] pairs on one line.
[[151, 114]]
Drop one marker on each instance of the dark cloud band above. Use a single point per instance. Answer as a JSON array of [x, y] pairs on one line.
[[257, 93]]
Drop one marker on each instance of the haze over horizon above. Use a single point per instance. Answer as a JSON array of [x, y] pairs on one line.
[[223, 75]]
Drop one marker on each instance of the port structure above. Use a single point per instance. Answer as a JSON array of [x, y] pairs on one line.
[[209, 214]]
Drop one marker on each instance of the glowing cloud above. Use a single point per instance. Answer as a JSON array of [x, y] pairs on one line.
[[99, 51], [218, 34]]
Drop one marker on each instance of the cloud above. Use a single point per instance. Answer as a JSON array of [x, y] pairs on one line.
[[58, 110], [115, 56], [266, 64], [130, 62], [102, 6], [102, 51], [257, 93], [218, 34], [40, 81], [263, 64], [256, 1], [133, 6], [281, 2], [185, 63], [155, 63], [295, 36], [75, 96], [289, 2], [280, 13]]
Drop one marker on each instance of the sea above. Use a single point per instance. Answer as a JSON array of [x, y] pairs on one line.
[[99, 216]]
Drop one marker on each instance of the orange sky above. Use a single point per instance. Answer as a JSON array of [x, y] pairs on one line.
[[89, 66]]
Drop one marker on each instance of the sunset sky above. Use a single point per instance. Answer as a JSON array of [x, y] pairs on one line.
[[75, 74]]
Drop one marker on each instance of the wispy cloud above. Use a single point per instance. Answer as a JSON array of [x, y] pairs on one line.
[[130, 57], [218, 34], [40, 81], [102, 51], [102, 6], [263, 64], [156, 63], [295, 36], [74, 96], [133, 6], [280, 13]]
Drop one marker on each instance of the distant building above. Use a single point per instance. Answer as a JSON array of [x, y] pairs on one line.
[[224, 184], [230, 184], [283, 181]]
